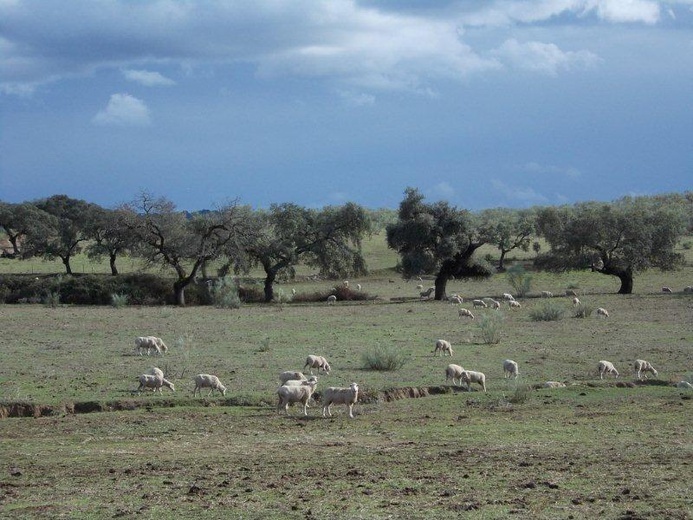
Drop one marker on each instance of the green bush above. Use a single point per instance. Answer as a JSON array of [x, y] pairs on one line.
[[583, 311], [519, 280], [224, 293], [521, 394], [383, 358], [547, 312], [490, 326], [51, 299], [119, 300]]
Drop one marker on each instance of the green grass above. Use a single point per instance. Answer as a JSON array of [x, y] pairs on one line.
[[592, 449]]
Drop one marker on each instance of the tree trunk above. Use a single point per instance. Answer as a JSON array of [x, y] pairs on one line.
[[179, 292], [66, 263], [112, 261], [623, 274], [501, 261], [269, 285]]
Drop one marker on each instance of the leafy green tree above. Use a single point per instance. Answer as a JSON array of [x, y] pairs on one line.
[[63, 234], [20, 221], [509, 229], [437, 238], [329, 239], [615, 239], [111, 237], [182, 242]]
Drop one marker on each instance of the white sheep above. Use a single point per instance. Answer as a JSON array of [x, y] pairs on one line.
[[346, 283], [469, 377], [570, 292], [510, 369], [606, 367], [641, 366], [479, 303], [155, 371], [336, 395], [465, 313], [149, 344], [358, 286], [495, 304], [667, 289], [508, 296], [443, 346], [546, 294], [299, 382], [456, 298], [553, 384], [208, 381], [514, 304], [300, 393], [419, 287], [454, 372], [155, 382], [318, 362], [331, 299], [289, 375], [601, 311], [576, 301]]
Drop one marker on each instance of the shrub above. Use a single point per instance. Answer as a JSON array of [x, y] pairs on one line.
[[265, 345], [51, 299], [547, 312], [224, 293], [520, 281], [521, 394], [490, 326], [119, 300], [583, 311], [384, 358]]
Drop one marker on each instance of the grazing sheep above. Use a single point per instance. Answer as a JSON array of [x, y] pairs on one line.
[[495, 304], [546, 294], [667, 289], [456, 298], [508, 296], [465, 313], [289, 375], [684, 385], [641, 366], [155, 382], [601, 311], [318, 362], [331, 299], [454, 372], [469, 377], [155, 371], [606, 367], [346, 283], [570, 292], [149, 344], [300, 393], [479, 303], [299, 382], [335, 395], [443, 346], [208, 381], [419, 287], [576, 301], [510, 369], [514, 304], [427, 292], [553, 384]]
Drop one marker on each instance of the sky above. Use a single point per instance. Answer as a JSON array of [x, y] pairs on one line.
[[482, 103]]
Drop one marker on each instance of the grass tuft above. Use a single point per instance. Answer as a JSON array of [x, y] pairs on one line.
[[384, 358], [547, 312]]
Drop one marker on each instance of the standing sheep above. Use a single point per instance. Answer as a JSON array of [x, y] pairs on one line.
[[479, 303], [208, 381], [514, 304], [443, 346], [155, 382], [606, 367], [331, 299], [465, 313], [643, 366], [456, 298], [495, 304], [426, 293], [508, 296], [454, 372], [469, 377], [318, 362], [289, 375], [335, 395], [576, 301], [510, 369], [601, 311], [300, 393]]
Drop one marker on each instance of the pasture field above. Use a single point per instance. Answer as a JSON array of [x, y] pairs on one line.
[[607, 449]]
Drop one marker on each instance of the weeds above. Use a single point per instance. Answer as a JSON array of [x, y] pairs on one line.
[[224, 293], [119, 300], [51, 299], [520, 281], [491, 325], [583, 311], [547, 312], [383, 358]]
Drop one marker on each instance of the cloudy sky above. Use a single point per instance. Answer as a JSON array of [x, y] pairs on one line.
[[483, 103]]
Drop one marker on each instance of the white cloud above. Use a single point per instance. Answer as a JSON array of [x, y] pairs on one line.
[[565, 171], [148, 78], [441, 191], [123, 110], [525, 195], [626, 11], [545, 58]]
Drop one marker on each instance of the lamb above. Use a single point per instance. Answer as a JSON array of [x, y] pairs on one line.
[[443, 346], [576, 301], [667, 289], [514, 304], [155, 382], [318, 362], [508, 296], [335, 395], [643, 366], [479, 303], [606, 367], [465, 313], [601, 311], [331, 299], [427, 292], [553, 384], [546, 294], [469, 377], [510, 369], [290, 375], [454, 372], [208, 381], [300, 393]]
